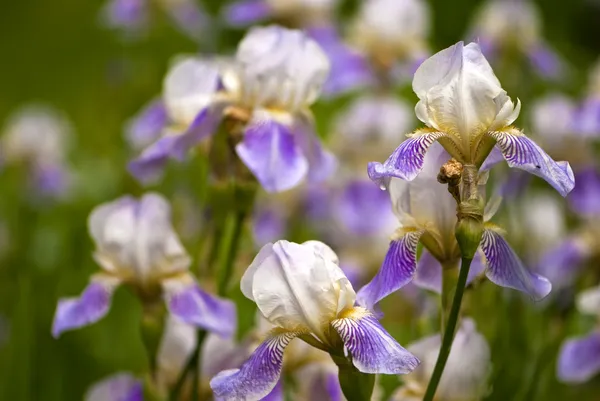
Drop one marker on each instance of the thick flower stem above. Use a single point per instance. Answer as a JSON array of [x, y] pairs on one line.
[[449, 282], [449, 331]]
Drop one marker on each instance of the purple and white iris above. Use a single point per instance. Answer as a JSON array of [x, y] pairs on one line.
[[470, 115], [502, 25], [300, 289], [39, 136], [427, 214], [466, 374], [579, 358], [137, 246], [276, 75]]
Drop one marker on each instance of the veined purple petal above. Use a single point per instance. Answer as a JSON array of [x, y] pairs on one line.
[[119, 387], [562, 263], [521, 152], [585, 198], [146, 126], [397, 270], [195, 306], [372, 348], [91, 306], [270, 152], [505, 269], [579, 359], [407, 160], [257, 377], [350, 70], [545, 61], [429, 273], [246, 12]]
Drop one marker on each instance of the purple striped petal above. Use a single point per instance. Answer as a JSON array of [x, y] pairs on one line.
[[257, 377], [270, 152], [407, 160], [585, 198], [349, 69], [397, 270], [579, 359], [246, 12], [119, 387], [505, 269], [521, 152], [146, 126], [563, 262], [91, 306], [192, 305], [372, 349]]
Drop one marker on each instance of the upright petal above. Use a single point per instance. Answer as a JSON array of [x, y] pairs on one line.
[[372, 349], [246, 12], [118, 387], [521, 152], [257, 377], [504, 267], [579, 359], [91, 306], [397, 270], [271, 153], [187, 301], [407, 160]]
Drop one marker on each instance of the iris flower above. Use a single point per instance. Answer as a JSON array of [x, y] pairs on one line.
[[301, 290], [276, 75], [136, 246], [470, 115]]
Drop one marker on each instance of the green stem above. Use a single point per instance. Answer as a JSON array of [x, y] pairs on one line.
[[231, 240], [449, 331], [449, 281]]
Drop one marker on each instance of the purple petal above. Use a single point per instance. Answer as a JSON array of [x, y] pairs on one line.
[[546, 61], [492, 159], [146, 126], [189, 18], [276, 394], [587, 118], [349, 69], [52, 179], [268, 225], [504, 267], [119, 387], [246, 12], [321, 162], [585, 198], [126, 14], [195, 306], [429, 273], [363, 209], [257, 377], [270, 152], [91, 306], [562, 263], [521, 152], [332, 388], [407, 160], [372, 348], [397, 270], [514, 184], [579, 359]]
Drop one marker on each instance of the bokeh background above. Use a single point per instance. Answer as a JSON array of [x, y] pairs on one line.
[[56, 52]]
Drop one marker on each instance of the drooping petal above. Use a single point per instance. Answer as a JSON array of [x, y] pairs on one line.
[[118, 387], [504, 267], [187, 301], [91, 306], [407, 160], [521, 152], [146, 126], [257, 377], [246, 12], [579, 359], [321, 162], [429, 273], [585, 198], [397, 270], [271, 153], [372, 349]]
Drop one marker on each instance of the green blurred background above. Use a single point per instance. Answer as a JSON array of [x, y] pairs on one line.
[[56, 52]]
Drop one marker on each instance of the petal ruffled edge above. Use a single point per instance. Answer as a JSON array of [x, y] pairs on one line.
[[259, 375], [372, 349]]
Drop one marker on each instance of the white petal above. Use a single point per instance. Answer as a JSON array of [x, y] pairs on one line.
[[589, 301], [177, 344], [298, 286]]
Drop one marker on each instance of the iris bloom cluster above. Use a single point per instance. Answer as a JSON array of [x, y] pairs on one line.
[[136, 246], [270, 96], [302, 291]]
